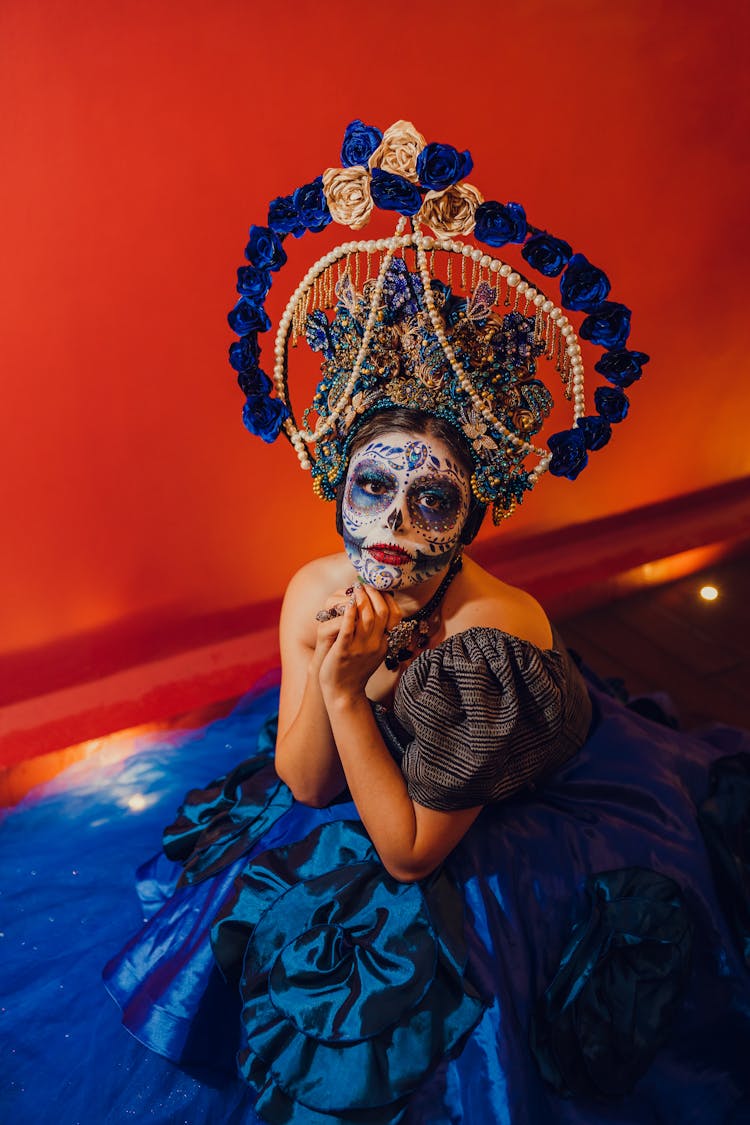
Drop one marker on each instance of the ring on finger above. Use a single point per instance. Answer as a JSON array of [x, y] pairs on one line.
[[336, 611]]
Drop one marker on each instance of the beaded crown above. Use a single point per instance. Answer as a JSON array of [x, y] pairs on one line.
[[405, 364], [429, 321]]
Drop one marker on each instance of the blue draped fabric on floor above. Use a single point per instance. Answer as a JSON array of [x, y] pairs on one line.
[[594, 926]]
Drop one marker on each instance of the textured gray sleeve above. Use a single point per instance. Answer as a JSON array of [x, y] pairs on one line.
[[488, 713]]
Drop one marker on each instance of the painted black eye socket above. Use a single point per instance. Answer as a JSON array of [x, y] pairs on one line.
[[435, 505], [434, 501], [438, 500]]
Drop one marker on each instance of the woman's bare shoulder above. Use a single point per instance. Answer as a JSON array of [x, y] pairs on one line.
[[307, 593], [495, 604], [319, 578]]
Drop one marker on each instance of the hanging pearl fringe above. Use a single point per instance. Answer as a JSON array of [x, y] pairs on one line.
[[318, 290]]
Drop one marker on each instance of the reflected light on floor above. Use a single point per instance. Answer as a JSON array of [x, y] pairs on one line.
[[16, 781]]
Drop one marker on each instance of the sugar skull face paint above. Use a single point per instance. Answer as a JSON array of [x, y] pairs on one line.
[[405, 503]]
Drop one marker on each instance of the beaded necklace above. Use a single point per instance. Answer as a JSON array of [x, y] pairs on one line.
[[415, 631]]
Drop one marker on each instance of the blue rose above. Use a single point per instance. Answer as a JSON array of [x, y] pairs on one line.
[[243, 354], [546, 254], [612, 403], [264, 249], [498, 223], [394, 193], [621, 367], [246, 317], [569, 454], [441, 166], [360, 142], [263, 416], [254, 381], [608, 325], [253, 283], [311, 205], [596, 431], [583, 286], [283, 217]]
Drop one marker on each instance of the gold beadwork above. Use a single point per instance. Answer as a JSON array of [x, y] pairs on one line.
[[319, 288], [499, 513]]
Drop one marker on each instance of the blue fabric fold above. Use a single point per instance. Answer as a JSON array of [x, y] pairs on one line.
[[613, 999], [724, 818], [350, 993], [493, 932]]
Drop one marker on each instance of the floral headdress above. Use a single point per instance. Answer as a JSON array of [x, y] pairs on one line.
[[434, 323]]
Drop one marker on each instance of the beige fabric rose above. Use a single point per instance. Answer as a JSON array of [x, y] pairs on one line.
[[398, 151], [451, 211], [347, 192]]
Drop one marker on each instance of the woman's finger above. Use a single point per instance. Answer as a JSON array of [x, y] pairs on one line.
[[379, 607], [328, 631], [347, 626], [335, 605], [339, 598], [364, 609]]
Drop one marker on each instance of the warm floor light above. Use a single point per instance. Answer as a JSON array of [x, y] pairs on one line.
[[709, 593]]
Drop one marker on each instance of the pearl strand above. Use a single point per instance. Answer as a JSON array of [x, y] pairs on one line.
[[297, 435], [421, 243], [464, 381]]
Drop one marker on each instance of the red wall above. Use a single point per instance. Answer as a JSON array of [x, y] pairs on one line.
[[140, 139]]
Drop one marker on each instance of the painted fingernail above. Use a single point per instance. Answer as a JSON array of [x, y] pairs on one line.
[[349, 591]]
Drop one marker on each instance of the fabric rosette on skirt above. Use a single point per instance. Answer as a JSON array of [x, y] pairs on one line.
[[352, 983], [617, 992]]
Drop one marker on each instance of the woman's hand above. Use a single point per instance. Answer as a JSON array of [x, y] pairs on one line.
[[328, 630], [355, 644]]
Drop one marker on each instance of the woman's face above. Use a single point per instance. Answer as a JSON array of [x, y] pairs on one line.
[[405, 504]]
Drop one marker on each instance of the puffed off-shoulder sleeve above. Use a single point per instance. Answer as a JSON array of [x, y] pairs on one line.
[[485, 715]]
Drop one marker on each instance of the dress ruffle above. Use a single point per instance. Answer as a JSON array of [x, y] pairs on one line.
[[353, 985], [724, 818], [526, 875], [218, 824], [611, 1004]]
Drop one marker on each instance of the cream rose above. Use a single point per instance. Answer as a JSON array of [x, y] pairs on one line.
[[398, 151], [451, 211], [347, 192]]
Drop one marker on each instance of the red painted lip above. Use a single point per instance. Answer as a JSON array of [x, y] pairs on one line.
[[389, 555]]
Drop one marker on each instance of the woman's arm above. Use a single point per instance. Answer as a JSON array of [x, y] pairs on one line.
[[410, 839], [306, 755]]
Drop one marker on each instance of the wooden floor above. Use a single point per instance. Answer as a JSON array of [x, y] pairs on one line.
[[670, 639]]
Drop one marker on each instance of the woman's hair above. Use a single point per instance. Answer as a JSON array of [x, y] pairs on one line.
[[409, 421]]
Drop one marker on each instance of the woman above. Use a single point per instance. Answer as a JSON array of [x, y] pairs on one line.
[[438, 900], [391, 516]]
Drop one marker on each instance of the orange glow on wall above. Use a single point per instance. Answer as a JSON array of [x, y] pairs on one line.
[[143, 139]]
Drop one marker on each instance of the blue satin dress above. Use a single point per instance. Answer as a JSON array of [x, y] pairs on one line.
[[583, 956]]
